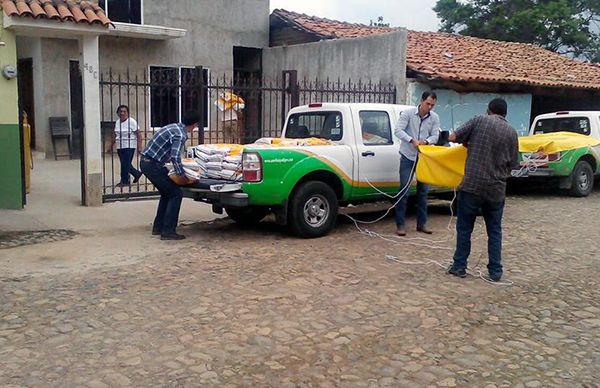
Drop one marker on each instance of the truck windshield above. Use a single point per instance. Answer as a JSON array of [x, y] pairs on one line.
[[567, 124], [325, 125]]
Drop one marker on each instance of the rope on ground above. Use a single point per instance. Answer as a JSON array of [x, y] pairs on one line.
[[420, 241]]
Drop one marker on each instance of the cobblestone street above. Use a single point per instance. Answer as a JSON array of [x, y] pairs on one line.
[[256, 308]]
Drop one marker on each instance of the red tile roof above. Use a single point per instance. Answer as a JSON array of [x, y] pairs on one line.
[[437, 55], [75, 11]]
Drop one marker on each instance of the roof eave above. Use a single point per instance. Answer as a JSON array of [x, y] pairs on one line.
[[145, 31], [465, 84]]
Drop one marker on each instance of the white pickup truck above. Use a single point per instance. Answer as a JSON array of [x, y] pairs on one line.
[[304, 185], [575, 169]]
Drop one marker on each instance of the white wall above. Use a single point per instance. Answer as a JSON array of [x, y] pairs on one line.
[[376, 58]]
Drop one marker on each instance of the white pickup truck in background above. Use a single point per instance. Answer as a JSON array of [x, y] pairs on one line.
[[575, 169]]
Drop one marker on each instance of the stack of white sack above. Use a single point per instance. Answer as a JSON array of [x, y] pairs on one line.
[[218, 161], [191, 168]]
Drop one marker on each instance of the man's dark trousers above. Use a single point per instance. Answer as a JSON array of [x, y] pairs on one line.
[[171, 196], [407, 172], [469, 206]]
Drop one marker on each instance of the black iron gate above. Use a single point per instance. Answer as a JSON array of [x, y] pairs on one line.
[[163, 94]]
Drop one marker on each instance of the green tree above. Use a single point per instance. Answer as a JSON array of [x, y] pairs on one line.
[[569, 27]]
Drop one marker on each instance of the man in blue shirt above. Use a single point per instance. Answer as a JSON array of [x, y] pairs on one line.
[[416, 126], [166, 146]]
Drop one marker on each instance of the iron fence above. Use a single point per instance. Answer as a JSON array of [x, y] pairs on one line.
[[163, 94]]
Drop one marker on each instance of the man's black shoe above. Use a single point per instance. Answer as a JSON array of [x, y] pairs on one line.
[[491, 278], [156, 233], [461, 273], [423, 229], [173, 236]]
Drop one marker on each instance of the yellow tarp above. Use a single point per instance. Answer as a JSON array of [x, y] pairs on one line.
[[552, 143], [441, 166], [445, 166]]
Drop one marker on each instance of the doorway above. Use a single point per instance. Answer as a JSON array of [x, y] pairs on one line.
[[76, 93], [26, 99], [247, 76]]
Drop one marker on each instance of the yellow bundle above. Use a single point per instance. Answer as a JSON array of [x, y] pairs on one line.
[[286, 142], [551, 143], [445, 166], [228, 100]]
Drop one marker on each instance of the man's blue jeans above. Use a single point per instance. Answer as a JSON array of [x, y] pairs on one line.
[[171, 196], [469, 206], [125, 159], [407, 171]]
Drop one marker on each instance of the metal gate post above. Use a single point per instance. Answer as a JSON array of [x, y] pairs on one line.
[[283, 95], [201, 102], [294, 89], [290, 85]]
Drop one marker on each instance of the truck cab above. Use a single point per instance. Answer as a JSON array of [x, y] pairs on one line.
[[366, 132]]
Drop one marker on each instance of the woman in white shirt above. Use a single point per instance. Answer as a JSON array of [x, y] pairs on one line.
[[127, 140]]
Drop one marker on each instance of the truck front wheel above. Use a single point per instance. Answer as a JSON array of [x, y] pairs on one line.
[[582, 179], [247, 216], [313, 209]]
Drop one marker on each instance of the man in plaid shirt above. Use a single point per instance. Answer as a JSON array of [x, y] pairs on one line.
[[492, 152], [166, 146]]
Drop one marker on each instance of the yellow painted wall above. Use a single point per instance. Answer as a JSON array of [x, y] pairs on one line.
[[10, 147]]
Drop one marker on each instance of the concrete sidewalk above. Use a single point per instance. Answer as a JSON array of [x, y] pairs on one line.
[[55, 203]]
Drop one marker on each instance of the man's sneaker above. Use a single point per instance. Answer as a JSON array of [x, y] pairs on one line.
[[400, 231], [461, 273], [494, 279], [173, 236]]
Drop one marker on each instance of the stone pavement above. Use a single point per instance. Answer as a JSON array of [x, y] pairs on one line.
[[108, 235], [233, 307]]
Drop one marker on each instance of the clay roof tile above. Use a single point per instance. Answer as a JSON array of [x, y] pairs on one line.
[[75, 11], [471, 59], [78, 14], [36, 9], [23, 8], [89, 12], [9, 7], [50, 10], [63, 11]]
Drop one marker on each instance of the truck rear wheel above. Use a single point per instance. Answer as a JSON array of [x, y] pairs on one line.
[[247, 216], [313, 209], [582, 179]]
